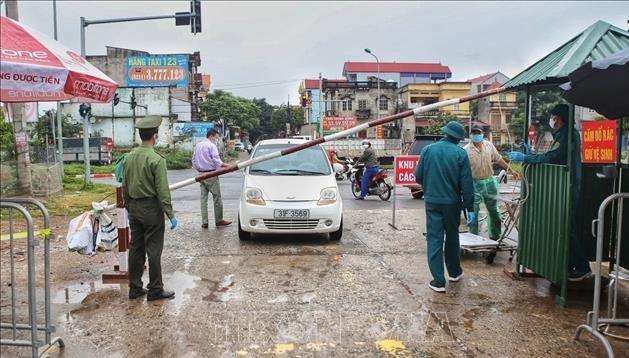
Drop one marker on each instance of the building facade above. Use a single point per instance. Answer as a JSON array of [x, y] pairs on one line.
[[398, 72], [421, 94], [494, 112]]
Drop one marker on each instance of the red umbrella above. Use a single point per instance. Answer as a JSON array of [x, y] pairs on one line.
[[34, 67]]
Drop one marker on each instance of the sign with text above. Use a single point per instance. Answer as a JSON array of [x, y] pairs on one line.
[[404, 168], [599, 142], [337, 124], [157, 71], [192, 129]]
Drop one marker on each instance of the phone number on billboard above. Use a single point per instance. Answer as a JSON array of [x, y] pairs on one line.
[[157, 74]]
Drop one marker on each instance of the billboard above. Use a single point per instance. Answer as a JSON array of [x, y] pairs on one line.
[[337, 124], [157, 71], [194, 129]]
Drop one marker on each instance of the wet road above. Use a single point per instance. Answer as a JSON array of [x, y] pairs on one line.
[[365, 296]]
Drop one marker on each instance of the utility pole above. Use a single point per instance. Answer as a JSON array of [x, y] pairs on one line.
[[59, 118], [289, 117], [22, 149], [320, 116]]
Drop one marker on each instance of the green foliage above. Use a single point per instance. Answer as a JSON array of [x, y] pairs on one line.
[[233, 153], [280, 117], [7, 142], [264, 129], [176, 159], [74, 169], [542, 102], [234, 110], [442, 119], [41, 131], [69, 128]]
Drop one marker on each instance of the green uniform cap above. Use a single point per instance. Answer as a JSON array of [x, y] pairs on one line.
[[148, 122]]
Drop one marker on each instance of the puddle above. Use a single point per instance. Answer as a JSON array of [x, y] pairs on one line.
[[219, 291], [180, 282]]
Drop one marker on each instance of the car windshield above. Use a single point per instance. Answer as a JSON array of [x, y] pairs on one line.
[[309, 161]]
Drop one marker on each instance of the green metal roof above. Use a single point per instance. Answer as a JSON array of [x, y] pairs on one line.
[[596, 42]]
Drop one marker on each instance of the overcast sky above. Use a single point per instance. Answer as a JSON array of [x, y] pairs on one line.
[[256, 42]]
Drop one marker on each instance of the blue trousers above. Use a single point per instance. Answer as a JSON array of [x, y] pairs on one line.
[[367, 176], [442, 218]]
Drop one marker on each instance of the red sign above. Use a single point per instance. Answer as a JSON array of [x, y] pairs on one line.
[[405, 169], [599, 142], [337, 124]]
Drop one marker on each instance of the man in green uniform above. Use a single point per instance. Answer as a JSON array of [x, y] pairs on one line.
[[579, 267], [147, 199], [444, 173]]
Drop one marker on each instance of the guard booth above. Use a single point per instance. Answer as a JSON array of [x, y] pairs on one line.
[[544, 223]]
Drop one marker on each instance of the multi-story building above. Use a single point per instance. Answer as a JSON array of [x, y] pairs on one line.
[[360, 100], [420, 94], [494, 112], [398, 72]]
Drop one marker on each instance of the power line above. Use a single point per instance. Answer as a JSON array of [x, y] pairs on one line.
[[254, 83]]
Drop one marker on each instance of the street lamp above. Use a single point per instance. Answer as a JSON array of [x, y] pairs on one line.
[[378, 64]]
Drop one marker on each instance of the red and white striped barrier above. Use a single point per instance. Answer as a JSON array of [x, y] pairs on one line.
[[335, 136], [120, 270]]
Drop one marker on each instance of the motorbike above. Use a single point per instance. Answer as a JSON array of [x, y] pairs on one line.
[[341, 171], [380, 184]]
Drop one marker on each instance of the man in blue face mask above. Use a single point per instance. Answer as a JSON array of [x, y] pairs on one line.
[[482, 155]]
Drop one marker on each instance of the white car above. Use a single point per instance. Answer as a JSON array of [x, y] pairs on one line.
[[293, 194], [239, 146]]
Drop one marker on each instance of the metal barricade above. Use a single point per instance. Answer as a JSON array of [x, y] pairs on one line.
[[595, 324], [35, 343]]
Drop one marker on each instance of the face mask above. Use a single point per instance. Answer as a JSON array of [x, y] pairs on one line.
[[365, 146], [551, 122], [477, 138]]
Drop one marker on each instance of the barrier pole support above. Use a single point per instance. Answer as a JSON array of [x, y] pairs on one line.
[[120, 270]]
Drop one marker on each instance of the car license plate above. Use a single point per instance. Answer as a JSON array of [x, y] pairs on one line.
[[291, 214]]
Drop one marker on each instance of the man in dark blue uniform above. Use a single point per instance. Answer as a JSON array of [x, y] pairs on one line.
[[445, 175], [579, 268]]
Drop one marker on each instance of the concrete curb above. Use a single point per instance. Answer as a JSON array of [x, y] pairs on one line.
[[98, 175]]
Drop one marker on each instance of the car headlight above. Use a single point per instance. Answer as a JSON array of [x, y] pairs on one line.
[[254, 196], [328, 196]]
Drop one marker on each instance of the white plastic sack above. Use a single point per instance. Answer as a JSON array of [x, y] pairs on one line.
[[80, 234], [107, 236]]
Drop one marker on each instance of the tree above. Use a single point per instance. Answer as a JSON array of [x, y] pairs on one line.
[[442, 119], [7, 143], [264, 129], [234, 110], [280, 117]]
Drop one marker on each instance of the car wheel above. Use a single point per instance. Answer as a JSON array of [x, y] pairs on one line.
[[418, 194], [336, 235], [243, 235], [385, 191]]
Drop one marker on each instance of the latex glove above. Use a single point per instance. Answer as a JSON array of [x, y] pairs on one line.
[[471, 217], [173, 223], [516, 156]]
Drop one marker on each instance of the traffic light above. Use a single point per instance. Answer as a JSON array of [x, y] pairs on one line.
[[133, 103], [85, 110], [195, 10], [304, 99], [116, 99]]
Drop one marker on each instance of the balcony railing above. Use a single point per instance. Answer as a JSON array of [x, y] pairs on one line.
[[363, 113], [358, 85]]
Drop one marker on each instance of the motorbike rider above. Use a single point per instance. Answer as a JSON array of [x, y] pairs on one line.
[[337, 164], [372, 167]]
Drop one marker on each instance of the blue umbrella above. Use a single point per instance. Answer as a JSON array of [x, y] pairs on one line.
[[602, 85]]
